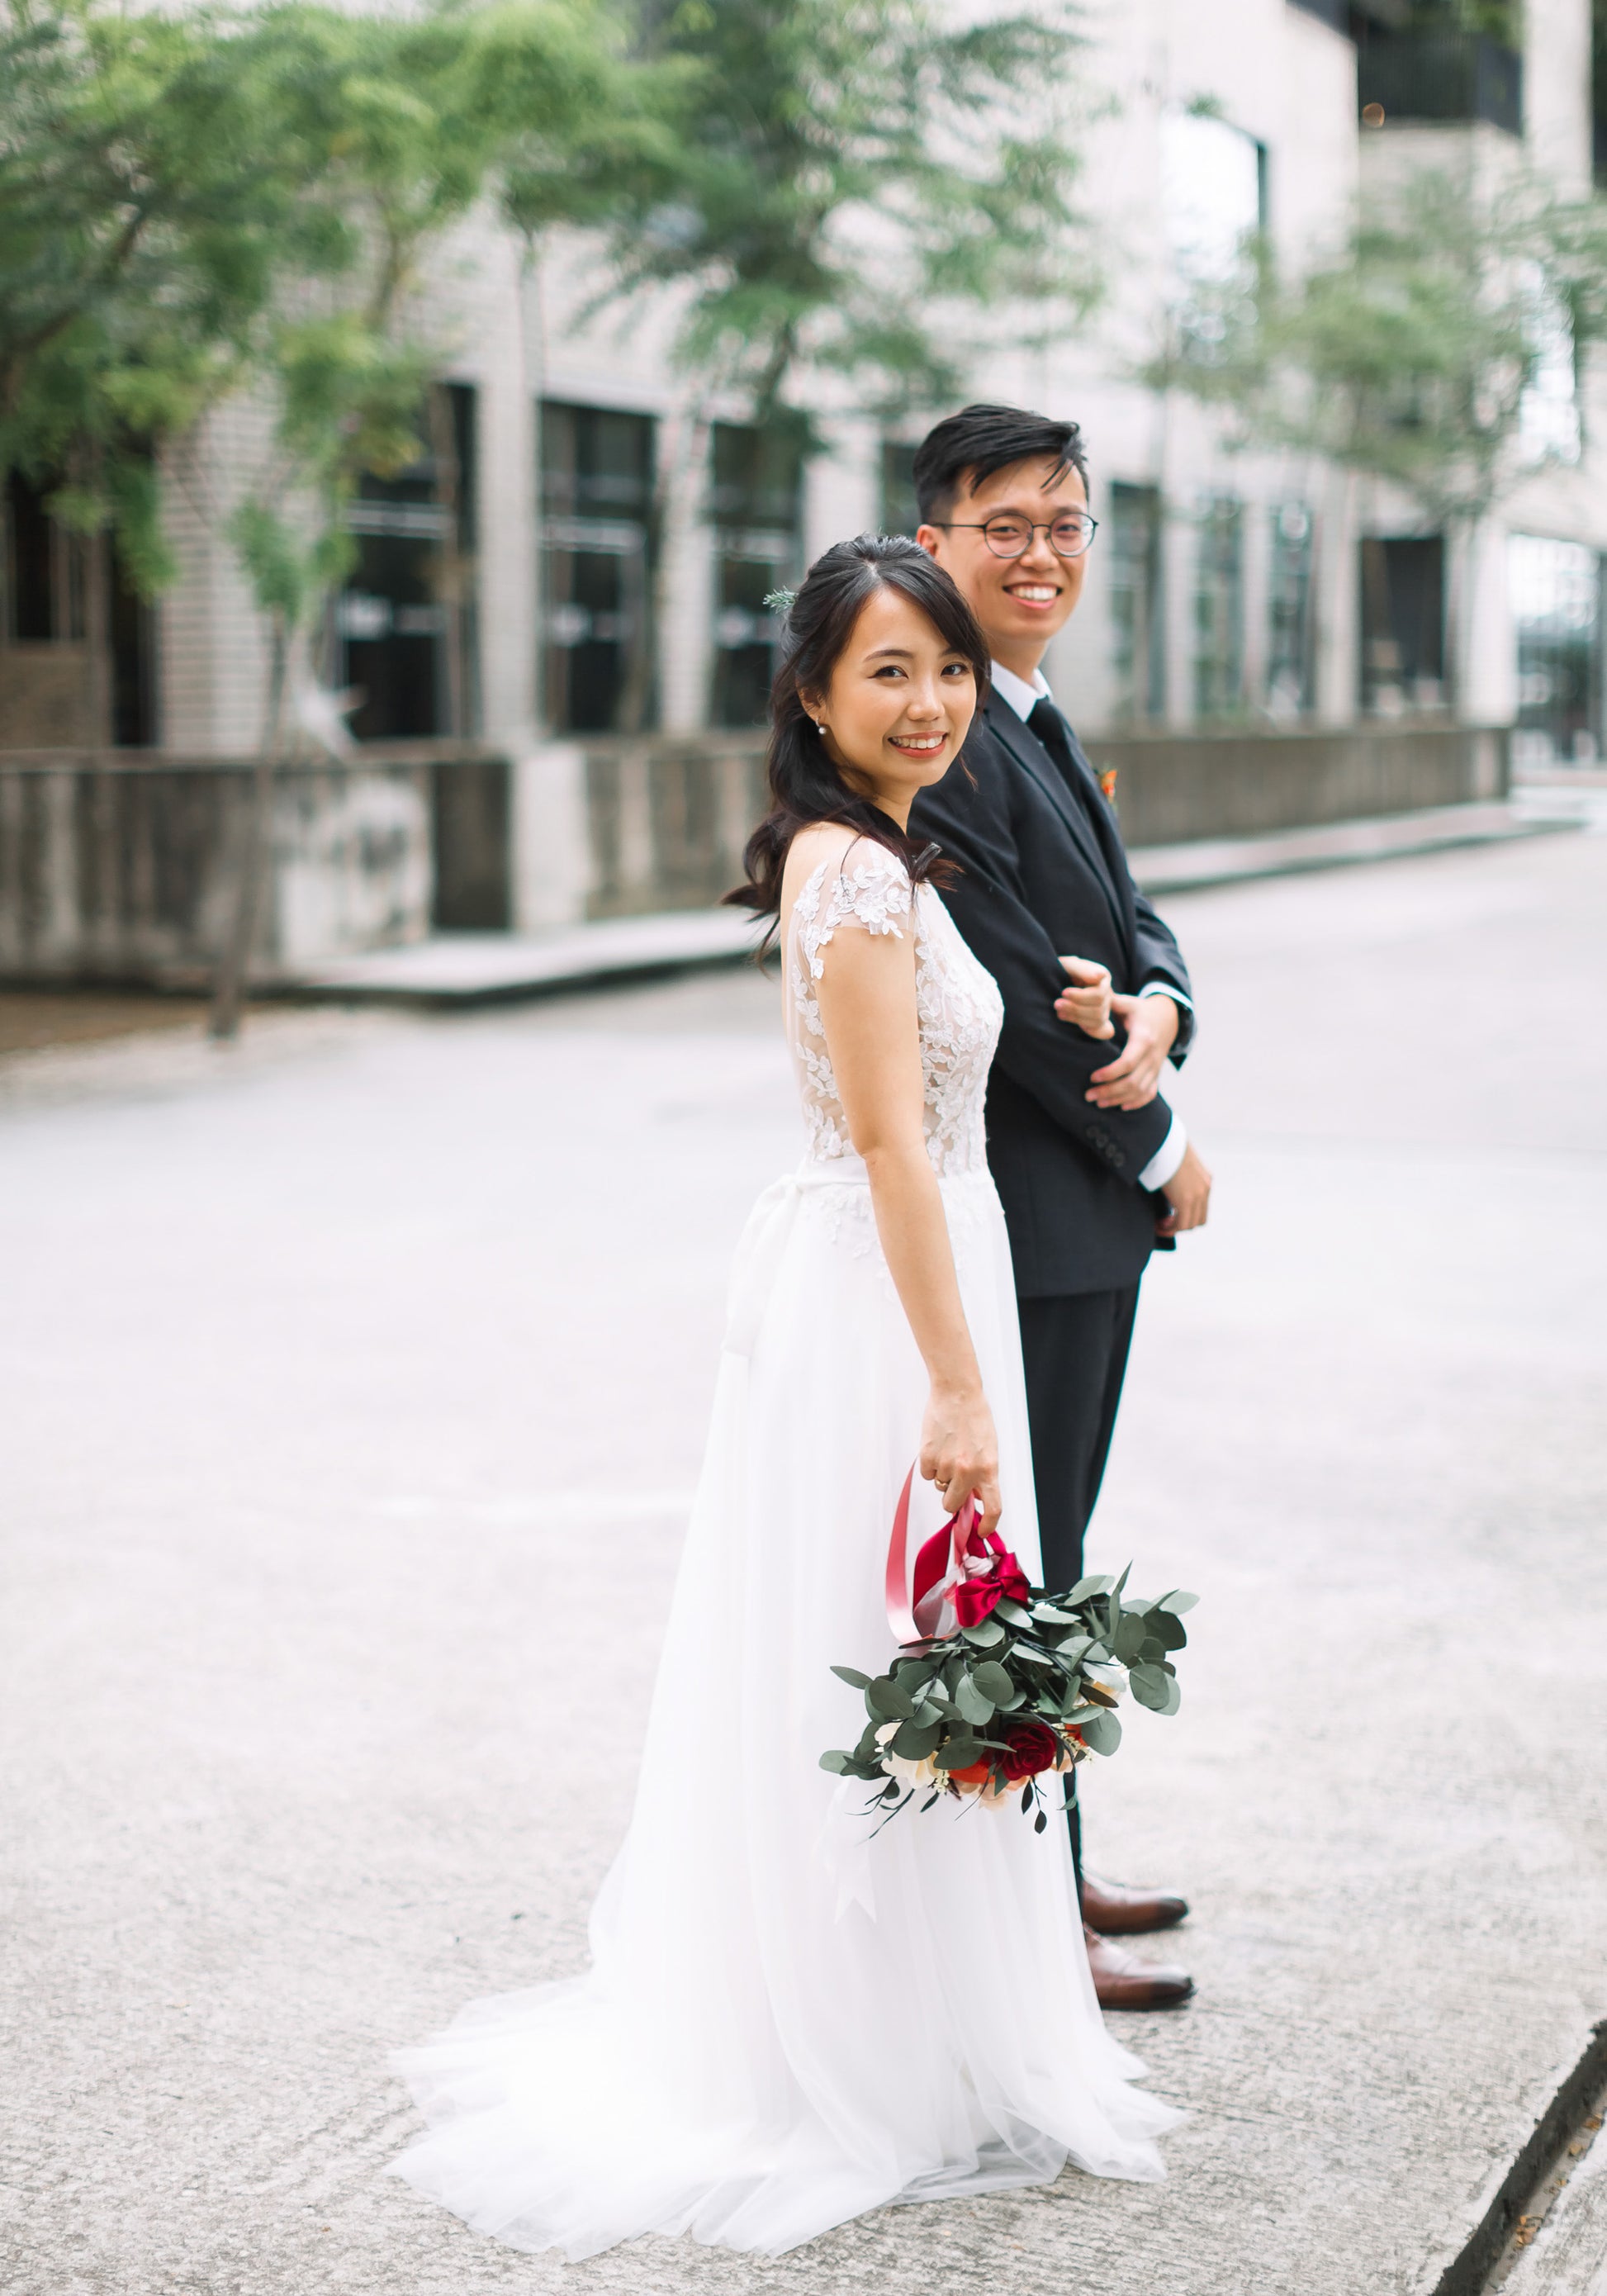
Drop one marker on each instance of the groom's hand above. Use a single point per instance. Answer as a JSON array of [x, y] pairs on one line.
[[1189, 1194], [1132, 1079]]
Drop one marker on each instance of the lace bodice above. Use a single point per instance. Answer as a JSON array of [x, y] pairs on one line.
[[957, 1005]]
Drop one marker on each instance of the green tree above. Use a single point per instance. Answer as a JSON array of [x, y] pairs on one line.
[[1436, 351], [412, 121], [833, 188], [145, 205]]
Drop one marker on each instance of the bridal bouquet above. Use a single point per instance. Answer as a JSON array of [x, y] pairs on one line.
[[1021, 1684]]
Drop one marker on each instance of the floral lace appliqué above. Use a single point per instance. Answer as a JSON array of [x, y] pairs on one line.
[[957, 1005]]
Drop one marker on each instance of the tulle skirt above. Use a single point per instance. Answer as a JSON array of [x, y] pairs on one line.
[[787, 2021]]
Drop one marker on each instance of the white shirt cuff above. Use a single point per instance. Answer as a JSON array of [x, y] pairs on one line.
[[1165, 988], [1167, 1157]]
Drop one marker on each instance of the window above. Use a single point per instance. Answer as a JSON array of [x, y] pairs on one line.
[[900, 511], [44, 569], [1403, 624], [1548, 412], [1555, 589], [1290, 648], [404, 621], [756, 506], [1214, 194], [1138, 626], [597, 562], [1219, 609], [46, 573]]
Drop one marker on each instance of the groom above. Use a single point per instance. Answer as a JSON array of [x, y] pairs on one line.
[[1093, 1170]]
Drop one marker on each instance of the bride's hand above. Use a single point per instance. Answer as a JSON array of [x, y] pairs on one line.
[[1087, 1003], [960, 1451]]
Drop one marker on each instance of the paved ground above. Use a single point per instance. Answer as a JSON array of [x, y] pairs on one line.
[[325, 1365]]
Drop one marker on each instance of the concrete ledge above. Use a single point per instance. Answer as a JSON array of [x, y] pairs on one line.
[[1397, 836], [456, 970], [459, 970]]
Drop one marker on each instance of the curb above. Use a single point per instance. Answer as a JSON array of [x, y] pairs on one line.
[[1162, 869], [1499, 2203], [581, 980]]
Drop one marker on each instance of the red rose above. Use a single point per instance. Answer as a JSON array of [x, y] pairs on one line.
[[1029, 1747], [975, 1597]]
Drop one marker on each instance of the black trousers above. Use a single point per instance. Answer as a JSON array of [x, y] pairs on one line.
[[1076, 1350]]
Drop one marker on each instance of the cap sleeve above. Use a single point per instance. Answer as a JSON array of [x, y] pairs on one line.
[[869, 889]]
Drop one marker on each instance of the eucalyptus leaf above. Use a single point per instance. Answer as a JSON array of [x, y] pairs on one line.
[[886, 1698], [1013, 1614], [1087, 1588], [1148, 1684], [1130, 1636], [959, 1754], [994, 1682], [1174, 1697], [1043, 1612], [852, 1676], [1100, 1733], [972, 1700], [1039, 1822], [1176, 1603], [836, 1762], [986, 1637]]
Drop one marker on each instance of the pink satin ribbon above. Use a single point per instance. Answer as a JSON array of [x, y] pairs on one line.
[[915, 1602]]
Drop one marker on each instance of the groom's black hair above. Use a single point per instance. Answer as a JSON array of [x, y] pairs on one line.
[[966, 448]]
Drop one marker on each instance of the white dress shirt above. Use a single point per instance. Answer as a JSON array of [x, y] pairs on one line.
[[1021, 698]]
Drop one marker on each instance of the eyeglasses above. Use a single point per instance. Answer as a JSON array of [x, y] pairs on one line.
[[1010, 536]]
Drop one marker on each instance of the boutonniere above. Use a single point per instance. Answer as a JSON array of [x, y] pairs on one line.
[[1107, 783]]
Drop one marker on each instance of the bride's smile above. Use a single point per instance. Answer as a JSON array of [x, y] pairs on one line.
[[899, 704]]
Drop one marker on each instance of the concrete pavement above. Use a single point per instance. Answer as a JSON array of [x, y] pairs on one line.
[[325, 1368]]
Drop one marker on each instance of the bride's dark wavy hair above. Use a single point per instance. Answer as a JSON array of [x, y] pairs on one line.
[[805, 785]]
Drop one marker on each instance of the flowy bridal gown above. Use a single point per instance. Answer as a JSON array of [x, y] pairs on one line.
[[786, 2021]]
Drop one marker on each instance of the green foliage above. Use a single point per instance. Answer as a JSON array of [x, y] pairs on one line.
[[1053, 1665], [827, 180], [1405, 355], [191, 202], [139, 224]]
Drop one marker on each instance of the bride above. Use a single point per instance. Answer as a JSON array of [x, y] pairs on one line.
[[787, 2021]]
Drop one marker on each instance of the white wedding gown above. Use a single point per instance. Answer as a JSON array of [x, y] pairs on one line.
[[787, 2022]]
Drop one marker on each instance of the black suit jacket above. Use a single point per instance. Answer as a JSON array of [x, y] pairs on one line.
[[1043, 873]]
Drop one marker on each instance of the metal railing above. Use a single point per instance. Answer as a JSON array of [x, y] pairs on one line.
[[1442, 76]]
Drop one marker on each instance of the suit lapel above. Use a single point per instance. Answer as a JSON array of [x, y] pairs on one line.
[[1041, 769]]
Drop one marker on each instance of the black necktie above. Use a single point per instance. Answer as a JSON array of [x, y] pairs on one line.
[[1046, 722]]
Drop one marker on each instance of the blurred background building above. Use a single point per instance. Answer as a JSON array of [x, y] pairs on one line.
[[587, 685]]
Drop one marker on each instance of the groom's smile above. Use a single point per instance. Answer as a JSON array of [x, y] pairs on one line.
[[1020, 601]]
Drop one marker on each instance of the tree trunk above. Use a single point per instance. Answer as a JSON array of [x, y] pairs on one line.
[[449, 569], [234, 960], [1458, 553], [676, 485]]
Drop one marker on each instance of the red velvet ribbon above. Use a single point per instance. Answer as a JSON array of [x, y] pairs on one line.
[[914, 1601]]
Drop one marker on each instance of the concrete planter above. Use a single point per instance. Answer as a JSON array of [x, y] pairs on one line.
[[117, 866], [120, 868]]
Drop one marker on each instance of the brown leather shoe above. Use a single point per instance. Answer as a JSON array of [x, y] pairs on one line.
[[1123, 1981], [1116, 1909]]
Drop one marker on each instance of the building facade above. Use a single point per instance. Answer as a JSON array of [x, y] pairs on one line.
[[522, 586]]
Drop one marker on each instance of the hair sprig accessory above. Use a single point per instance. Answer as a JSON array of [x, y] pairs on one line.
[[779, 601]]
